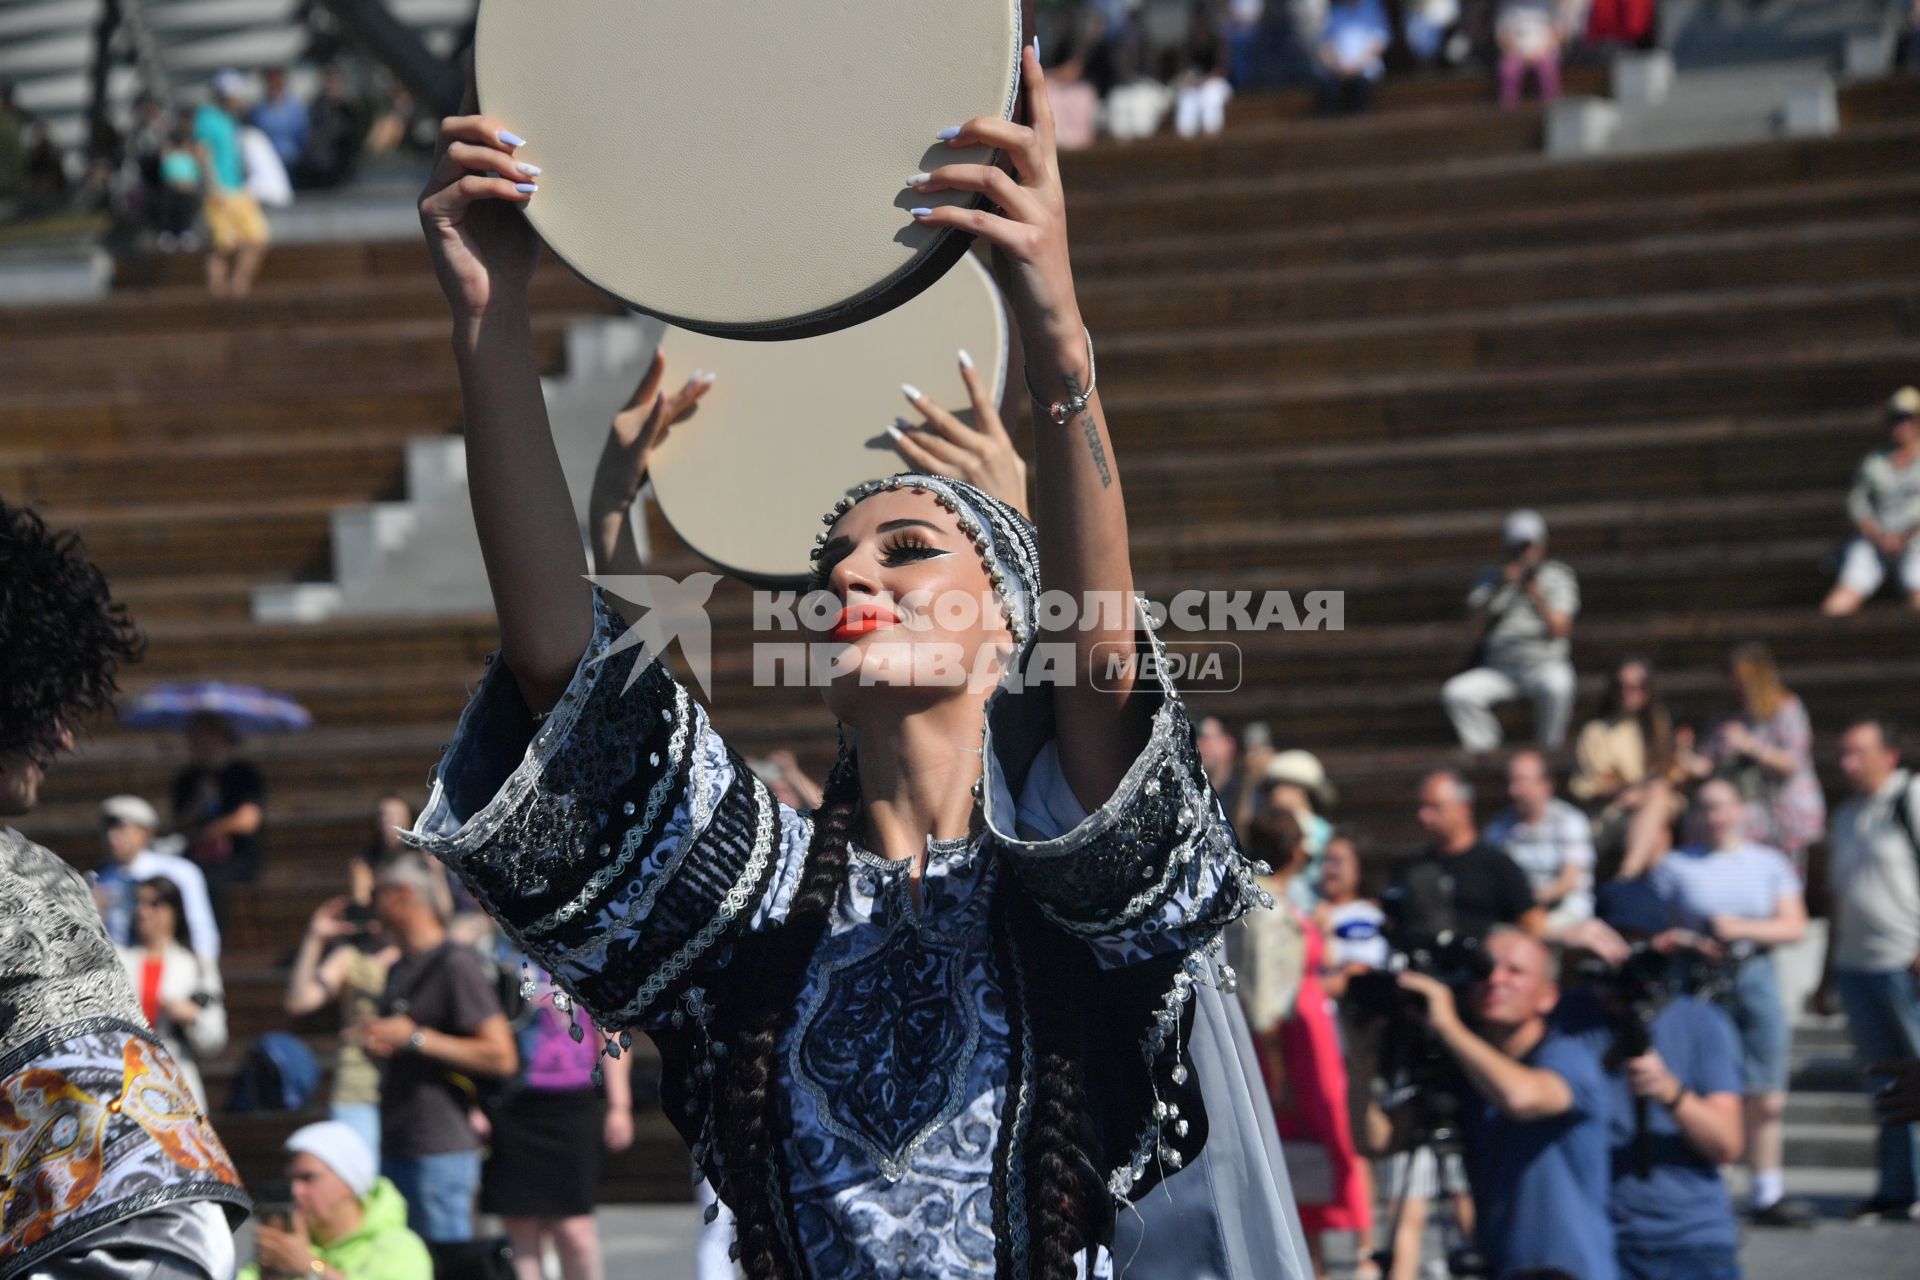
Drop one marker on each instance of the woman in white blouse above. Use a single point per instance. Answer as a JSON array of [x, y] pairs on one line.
[[179, 991]]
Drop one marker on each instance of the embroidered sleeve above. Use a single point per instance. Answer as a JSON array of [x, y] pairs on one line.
[[620, 842], [1155, 869]]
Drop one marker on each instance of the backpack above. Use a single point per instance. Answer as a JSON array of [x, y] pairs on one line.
[[279, 1073]]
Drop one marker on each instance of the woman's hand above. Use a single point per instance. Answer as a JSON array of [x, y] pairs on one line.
[[483, 250], [638, 428], [330, 921], [1029, 233], [617, 1132], [982, 454], [184, 1013]]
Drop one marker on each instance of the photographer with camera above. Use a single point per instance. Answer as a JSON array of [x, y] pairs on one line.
[[1526, 607], [1536, 1130], [1674, 1117]]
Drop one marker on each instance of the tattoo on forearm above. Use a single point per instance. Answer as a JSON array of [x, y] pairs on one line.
[[1090, 428]]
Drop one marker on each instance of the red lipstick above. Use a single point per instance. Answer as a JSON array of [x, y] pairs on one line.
[[859, 619]]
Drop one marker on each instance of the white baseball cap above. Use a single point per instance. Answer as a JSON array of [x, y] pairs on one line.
[[1526, 527], [132, 810], [342, 1150], [228, 84]]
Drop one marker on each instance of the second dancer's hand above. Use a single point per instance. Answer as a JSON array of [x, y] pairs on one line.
[[470, 210], [982, 454]]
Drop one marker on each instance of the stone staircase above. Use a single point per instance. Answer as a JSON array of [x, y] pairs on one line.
[[1334, 353]]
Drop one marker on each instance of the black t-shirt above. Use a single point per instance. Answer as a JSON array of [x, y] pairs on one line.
[[201, 794], [423, 1106], [1468, 892]]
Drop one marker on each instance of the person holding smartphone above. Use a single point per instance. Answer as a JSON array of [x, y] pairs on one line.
[[342, 1221]]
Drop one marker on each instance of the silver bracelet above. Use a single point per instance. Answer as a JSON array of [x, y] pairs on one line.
[[1062, 411]]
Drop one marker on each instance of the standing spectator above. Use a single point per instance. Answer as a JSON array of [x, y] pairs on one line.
[[1219, 752], [235, 225], [1299, 1051], [1672, 1219], [1743, 899], [1201, 85], [441, 1025], [353, 975], [336, 126], [1526, 608], [1884, 505], [1354, 926], [1297, 782], [351, 1223], [219, 805], [1621, 22], [1350, 55], [282, 117], [128, 823], [1873, 949], [13, 143], [179, 991], [1766, 750], [1462, 884], [1537, 1131], [1530, 33], [542, 1176], [1550, 840]]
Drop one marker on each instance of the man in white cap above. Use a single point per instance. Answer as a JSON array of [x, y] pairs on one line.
[[1526, 607], [1885, 507], [128, 823], [348, 1222]]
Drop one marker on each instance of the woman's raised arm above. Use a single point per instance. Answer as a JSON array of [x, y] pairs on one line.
[[1079, 510], [484, 253]]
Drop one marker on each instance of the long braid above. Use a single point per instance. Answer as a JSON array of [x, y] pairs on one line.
[[773, 974], [1060, 1191]]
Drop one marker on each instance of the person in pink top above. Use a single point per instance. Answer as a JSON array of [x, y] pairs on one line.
[[542, 1175]]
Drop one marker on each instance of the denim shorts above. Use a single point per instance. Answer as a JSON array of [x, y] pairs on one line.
[[1760, 1017], [1710, 1262], [439, 1191]]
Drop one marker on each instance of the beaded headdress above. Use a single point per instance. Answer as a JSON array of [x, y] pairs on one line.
[[1004, 538]]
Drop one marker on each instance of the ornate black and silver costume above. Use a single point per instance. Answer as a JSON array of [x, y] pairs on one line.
[[629, 850]]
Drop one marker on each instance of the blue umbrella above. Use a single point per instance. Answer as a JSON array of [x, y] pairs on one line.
[[248, 708]]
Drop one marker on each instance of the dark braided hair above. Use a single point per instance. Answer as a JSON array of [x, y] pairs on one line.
[[1062, 1186], [772, 973], [63, 638]]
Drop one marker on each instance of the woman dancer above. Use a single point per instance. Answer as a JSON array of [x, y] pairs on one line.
[[948, 1022]]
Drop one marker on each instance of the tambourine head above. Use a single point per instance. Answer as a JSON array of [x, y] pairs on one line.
[[739, 168]]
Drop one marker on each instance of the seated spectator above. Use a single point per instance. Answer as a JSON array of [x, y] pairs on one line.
[[1075, 103], [1352, 45], [1526, 608], [1200, 84], [1550, 840], [1530, 34], [179, 991], [1426, 25], [1624, 758], [219, 806], [336, 126], [1537, 1133], [349, 1224], [343, 960], [1671, 1215], [1766, 750], [1885, 508], [1136, 103], [1743, 899], [177, 201], [282, 117], [235, 226], [128, 823], [1299, 1049]]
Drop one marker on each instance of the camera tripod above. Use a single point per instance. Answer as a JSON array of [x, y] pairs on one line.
[[1438, 1142]]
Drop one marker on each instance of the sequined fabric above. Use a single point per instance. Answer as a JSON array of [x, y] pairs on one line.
[[626, 847]]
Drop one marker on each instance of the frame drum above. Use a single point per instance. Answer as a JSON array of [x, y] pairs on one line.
[[789, 428], [739, 167]]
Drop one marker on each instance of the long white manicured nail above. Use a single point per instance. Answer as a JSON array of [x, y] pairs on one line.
[[896, 432], [912, 392], [531, 170], [706, 379], [966, 361], [919, 179]]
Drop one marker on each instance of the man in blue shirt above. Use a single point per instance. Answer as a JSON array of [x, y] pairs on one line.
[[283, 118], [1676, 1222], [1537, 1131]]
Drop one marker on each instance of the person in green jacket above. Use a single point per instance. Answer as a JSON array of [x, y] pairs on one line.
[[349, 1223]]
